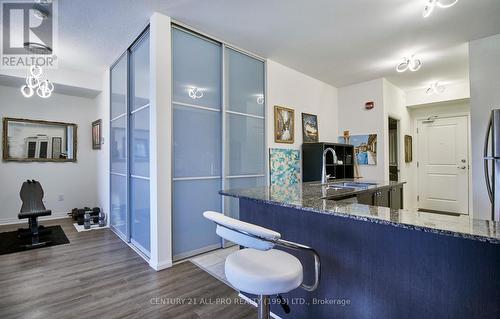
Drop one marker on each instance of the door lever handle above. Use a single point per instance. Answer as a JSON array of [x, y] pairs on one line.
[[462, 167]]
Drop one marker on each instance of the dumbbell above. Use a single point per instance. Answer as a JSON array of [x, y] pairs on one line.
[[102, 219], [86, 220], [95, 214], [80, 216]]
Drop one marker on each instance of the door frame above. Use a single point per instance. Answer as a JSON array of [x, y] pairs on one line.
[[469, 154], [399, 145]]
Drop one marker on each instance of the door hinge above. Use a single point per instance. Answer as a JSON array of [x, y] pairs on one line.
[[418, 198], [418, 164], [417, 130]]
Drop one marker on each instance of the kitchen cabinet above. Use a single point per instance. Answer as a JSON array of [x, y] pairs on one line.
[[397, 197], [386, 197], [382, 198], [366, 198]]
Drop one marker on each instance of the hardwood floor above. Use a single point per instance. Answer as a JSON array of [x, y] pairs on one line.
[[99, 276]]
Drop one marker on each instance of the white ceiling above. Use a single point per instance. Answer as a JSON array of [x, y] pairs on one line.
[[340, 42]]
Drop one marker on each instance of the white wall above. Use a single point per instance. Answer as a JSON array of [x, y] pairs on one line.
[[353, 116], [452, 92], [75, 181], [290, 88], [484, 56], [395, 107]]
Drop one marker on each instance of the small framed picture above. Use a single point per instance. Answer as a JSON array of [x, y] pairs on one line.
[[310, 128], [284, 123], [408, 149], [96, 134]]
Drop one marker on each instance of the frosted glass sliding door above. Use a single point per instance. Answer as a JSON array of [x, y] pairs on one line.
[[129, 146], [139, 146], [197, 146], [119, 148], [245, 158]]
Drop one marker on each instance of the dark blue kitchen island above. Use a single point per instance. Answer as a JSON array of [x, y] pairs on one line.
[[377, 262]]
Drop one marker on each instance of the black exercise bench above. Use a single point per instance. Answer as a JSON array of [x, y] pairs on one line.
[[32, 208]]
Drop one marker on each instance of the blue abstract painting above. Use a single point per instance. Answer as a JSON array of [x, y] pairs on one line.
[[284, 166]]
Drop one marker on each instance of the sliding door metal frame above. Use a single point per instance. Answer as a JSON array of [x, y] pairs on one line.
[[185, 27], [224, 111], [225, 175], [130, 111], [207, 108], [124, 237], [127, 237]]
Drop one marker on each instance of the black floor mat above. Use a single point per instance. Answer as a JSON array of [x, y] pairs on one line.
[[11, 243]]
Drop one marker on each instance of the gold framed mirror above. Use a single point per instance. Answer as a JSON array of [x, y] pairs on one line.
[[27, 140]]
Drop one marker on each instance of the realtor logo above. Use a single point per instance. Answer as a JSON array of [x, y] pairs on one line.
[[29, 30]]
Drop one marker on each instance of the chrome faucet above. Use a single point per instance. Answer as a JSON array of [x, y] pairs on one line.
[[324, 177]]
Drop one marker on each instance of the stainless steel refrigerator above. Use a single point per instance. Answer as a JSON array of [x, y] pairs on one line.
[[492, 163]]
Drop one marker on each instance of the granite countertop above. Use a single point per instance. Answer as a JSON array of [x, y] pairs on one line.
[[310, 197]]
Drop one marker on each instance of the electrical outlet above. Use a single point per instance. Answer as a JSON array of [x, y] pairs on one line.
[[60, 197]]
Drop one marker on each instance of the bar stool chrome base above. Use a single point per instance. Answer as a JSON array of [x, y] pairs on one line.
[[263, 307], [259, 269]]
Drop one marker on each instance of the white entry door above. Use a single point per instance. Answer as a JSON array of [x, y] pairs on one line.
[[443, 167]]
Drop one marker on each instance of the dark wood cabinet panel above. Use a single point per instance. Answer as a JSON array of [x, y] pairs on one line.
[[388, 197], [397, 198], [382, 198], [366, 198]]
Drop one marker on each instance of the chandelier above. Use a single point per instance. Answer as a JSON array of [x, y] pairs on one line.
[[35, 83]]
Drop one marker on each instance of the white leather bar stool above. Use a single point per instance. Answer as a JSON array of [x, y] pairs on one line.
[[259, 269]]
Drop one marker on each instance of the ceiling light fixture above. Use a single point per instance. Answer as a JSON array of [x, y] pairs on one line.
[[435, 88], [43, 88], [195, 93], [412, 63], [431, 4], [260, 99]]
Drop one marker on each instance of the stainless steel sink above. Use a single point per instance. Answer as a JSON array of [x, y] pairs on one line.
[[354, 184], [340, 188]]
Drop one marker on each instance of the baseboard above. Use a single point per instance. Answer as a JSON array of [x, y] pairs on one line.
[[253, 303], [161, 265], [15, 220], [196, 252]]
